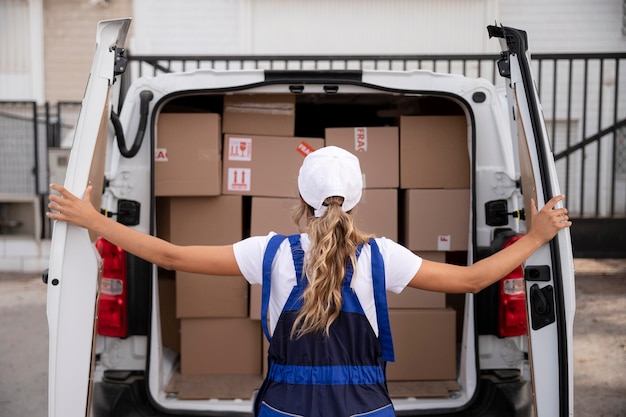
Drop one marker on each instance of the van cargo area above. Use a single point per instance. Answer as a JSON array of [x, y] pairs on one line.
[[225, 168]]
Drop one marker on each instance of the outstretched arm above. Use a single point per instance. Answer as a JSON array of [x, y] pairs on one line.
[[210, 260], [436, 276]]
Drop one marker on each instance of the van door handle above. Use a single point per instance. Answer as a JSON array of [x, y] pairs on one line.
[[541, 306]]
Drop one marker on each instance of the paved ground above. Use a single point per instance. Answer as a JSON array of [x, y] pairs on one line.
[[23, 347], [599, 342], [600, 339]]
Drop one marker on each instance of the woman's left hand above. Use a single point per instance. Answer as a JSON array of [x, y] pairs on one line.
[[547, 222], [69, 208]]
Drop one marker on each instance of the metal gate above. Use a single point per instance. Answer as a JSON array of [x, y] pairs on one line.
[[583, 98]]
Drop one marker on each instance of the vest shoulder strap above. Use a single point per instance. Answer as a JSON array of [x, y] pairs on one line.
[[380, 301], [268, 259]]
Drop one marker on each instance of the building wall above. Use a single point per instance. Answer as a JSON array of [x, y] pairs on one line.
[[69, 42], [192, 27], [372, 26], [569, 25], [21, 43], [313, 27], [204, 27]]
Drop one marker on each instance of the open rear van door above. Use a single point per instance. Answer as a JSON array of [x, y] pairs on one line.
[[74, 268], [549, 273]]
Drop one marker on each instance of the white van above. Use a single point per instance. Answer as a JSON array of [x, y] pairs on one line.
[[129, 339]]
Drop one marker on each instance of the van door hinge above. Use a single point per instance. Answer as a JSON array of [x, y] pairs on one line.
[[121, 61], [502, 185], [119, 185], [504, 64]]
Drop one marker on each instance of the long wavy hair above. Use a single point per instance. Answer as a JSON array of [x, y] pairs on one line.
[[334, 240]]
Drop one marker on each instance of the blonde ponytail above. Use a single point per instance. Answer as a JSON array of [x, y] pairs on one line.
[[334, 241]]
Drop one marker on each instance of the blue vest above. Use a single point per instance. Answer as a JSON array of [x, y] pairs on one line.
[[342, 374]]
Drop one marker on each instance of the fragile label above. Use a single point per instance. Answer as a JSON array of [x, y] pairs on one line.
[[239, 149], [238, 179], [360, 139], [304, 148], [160, 155], [443, 242]]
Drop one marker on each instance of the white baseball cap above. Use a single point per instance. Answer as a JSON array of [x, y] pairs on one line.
[[328, 172]]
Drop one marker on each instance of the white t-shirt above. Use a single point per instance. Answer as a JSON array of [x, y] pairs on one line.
[[400, 266]]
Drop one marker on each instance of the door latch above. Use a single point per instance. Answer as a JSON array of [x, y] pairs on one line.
[[541, 306]]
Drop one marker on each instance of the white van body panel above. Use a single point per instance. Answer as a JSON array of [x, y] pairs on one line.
[[74, 262], [550, 345]]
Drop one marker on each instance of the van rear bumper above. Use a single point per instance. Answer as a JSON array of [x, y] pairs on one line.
[[125, 394]]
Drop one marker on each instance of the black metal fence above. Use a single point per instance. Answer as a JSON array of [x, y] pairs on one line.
[[18, 147], [583, 97]]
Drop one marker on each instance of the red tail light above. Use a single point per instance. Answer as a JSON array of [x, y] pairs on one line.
[[512, 308], [112, 305]]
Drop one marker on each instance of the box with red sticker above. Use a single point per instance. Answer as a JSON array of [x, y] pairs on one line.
[[377, 148], [265, 166]]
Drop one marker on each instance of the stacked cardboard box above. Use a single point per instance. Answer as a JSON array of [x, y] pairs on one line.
[[435, 178], [187, 159], [211, 170], [205, 163], [208, 302], [378, 151], [423, 330], [434, 186], [261, 158], [264, 166], [260, 114], [261, 155], [211, 312]]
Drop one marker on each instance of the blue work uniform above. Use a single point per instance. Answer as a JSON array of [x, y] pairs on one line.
[[342, 374]]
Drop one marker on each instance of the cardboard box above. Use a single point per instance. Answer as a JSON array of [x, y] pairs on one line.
[[436, 220], [377, 212], [254, 310], [264, 166], [203, 296], [187, 160], [170, 325], [378, 150], [434, 152], [271, 214], [260, 114], [200, 220], [220, 346], [416, 298], [266, 346], [425, 344]]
